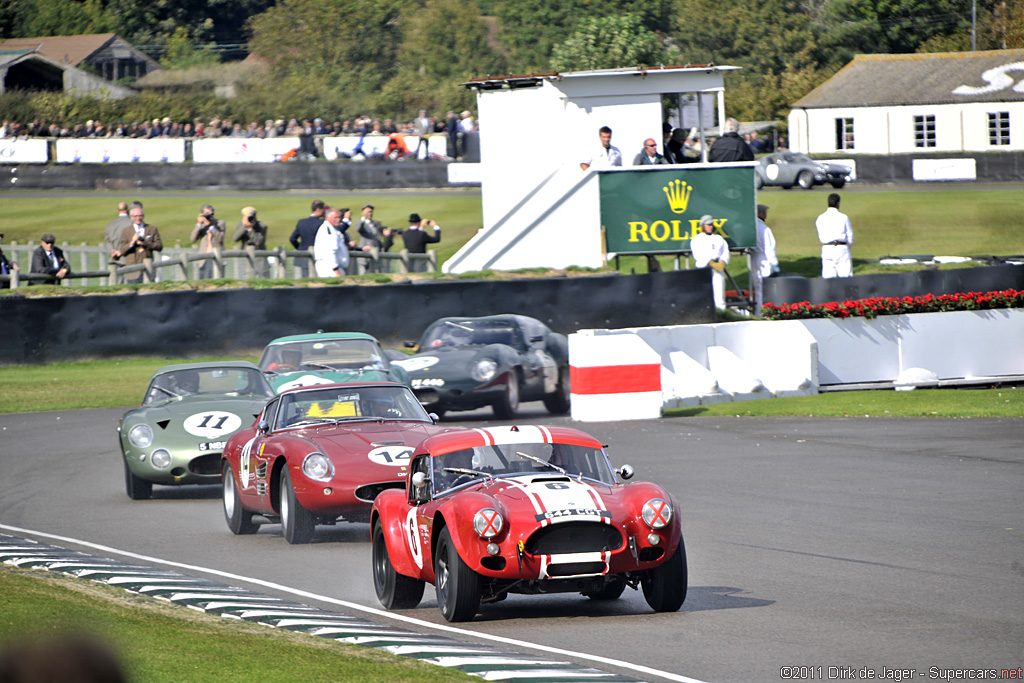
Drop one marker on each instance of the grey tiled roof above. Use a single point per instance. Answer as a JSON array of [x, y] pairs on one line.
[[938, 78]]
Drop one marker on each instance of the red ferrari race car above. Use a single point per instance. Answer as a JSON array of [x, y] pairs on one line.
[[319, 454], [526, 509]]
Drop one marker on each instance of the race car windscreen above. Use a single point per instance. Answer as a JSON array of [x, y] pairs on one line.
[[329, 354], [342, 404], [496, 460], [240, 382], [469, 332]]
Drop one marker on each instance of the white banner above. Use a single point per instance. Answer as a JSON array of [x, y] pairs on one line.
[[23, 151], [120, 150], [241, 150], [944, 169]]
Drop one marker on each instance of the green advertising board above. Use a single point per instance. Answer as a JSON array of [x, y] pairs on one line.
[[651, 211]]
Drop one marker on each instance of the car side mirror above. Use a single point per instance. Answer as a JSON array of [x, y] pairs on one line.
[[262, 427], [434, 417], [625, 472], [419, 479]]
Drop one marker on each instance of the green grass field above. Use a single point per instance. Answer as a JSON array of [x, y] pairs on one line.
[[158, 642], [121, 382], [957, 220]]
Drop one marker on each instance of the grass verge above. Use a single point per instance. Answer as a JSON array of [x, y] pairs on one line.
[[157, 642], [122, 382], [993, 402]]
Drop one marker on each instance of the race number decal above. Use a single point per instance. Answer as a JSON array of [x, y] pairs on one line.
[[244, 469], [392, 456], [212, 424], [416, 364], [772, 171], [412, 536]]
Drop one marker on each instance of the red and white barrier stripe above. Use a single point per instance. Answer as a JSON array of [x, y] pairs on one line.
[[613, 377]]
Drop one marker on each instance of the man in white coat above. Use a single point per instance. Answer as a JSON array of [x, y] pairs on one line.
[[836, 237], [330, 254], [711, 251], [763, 261]]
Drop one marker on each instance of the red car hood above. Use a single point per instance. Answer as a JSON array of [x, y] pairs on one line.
[[554, 497], [381, 443]]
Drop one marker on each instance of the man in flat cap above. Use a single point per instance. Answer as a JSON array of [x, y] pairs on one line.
[[371, 232], [252, 232], [48, 259], [711, 251]]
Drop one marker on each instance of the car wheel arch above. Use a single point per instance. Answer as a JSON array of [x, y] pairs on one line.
[[274, 483]]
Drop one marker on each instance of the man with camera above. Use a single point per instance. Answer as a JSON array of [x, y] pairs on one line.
[[416, 239], [209, 232], [252, 232]]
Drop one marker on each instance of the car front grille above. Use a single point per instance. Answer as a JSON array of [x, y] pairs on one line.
[[577, 569], [205, 464], [369, 492], [574, 537]]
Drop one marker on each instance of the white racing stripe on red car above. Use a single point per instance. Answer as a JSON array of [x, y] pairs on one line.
[[488, 438], [517, 434], [561, 497]]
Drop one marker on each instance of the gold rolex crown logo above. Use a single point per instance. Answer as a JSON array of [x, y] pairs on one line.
[[678, 193]]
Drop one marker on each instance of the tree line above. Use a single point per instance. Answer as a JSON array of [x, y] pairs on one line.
[[390, 58]]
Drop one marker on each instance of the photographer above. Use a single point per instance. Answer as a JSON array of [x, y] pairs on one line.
[[209, 232], [416, 238], [252, 232]]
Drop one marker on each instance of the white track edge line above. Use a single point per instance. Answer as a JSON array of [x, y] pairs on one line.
[[362, 608]]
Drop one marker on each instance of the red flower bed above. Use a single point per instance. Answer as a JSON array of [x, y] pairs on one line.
[[882, 305]]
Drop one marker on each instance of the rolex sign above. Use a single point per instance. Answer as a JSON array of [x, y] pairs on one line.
[[659, 210]]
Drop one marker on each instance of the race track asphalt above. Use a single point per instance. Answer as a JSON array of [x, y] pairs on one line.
[[853, 543]]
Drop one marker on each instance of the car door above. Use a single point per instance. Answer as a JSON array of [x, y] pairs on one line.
[[418, 523], [255, 464]]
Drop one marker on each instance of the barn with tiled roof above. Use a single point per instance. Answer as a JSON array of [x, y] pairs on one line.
[[962, 102]]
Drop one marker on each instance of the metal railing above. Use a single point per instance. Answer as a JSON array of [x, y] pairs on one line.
[[90, 265]]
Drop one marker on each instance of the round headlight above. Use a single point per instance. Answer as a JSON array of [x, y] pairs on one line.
[[487, 523], [141, 436], [318, 466], [657, 513], [483, 370], [161, 459]]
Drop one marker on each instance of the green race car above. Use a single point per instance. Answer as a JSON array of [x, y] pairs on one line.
[[305, 360], [177, 435]]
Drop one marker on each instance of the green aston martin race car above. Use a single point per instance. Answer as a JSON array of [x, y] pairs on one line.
[[305, 360], [177, 435]]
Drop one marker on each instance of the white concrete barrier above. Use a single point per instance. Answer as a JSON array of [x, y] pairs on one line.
[[735, 376], [613, 377], [783, 355], [953, 345], [755, 360], [702, 364]]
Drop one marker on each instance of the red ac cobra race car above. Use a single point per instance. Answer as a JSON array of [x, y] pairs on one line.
[[319, 454], [523, 509]]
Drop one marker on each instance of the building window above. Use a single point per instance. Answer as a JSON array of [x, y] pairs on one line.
[[999, 128], [924, 131], [844, 133]]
